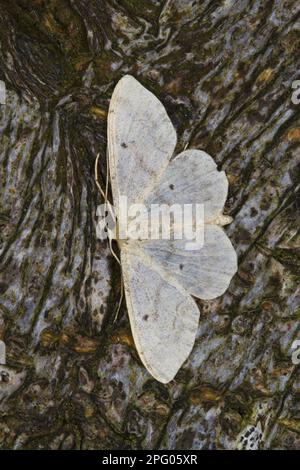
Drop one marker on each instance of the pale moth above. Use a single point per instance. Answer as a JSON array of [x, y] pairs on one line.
[[161, 276]]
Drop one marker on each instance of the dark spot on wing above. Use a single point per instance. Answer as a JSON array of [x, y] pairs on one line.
[[172, 186], [124, 145], [181, 266], [145, 317]]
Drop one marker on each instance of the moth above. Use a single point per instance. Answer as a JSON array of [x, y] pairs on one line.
[[160, 276]]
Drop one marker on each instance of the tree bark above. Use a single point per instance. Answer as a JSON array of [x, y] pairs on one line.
[[224, 71]]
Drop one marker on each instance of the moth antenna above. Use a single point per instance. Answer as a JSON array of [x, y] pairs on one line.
[[103, 194], [97, 179], [107, 176]]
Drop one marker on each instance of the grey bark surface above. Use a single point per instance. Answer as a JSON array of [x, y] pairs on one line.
[[224, 71]]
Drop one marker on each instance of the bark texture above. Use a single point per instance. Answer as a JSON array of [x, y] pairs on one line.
[[224, 71]]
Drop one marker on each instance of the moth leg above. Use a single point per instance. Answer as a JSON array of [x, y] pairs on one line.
[[106, 201], [120, 301], [113, 252]]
